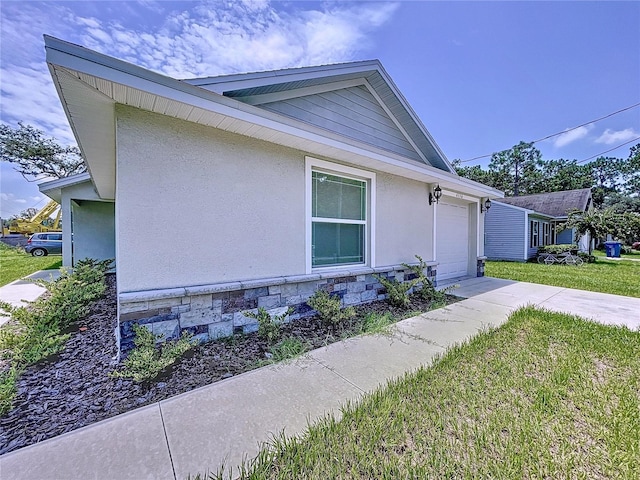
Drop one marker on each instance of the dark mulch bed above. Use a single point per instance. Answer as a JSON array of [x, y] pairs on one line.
[[74, 389]]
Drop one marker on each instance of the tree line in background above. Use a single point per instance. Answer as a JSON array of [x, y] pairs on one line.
[[614, 184], [521, 170]]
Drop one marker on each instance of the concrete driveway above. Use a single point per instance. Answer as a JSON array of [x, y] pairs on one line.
[[599, 307]]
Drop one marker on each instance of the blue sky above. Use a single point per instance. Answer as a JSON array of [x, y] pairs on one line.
[[481, 75]]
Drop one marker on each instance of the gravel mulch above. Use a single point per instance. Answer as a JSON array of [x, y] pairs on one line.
[[74, 388]]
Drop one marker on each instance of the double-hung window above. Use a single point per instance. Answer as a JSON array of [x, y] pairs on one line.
[[534, 242], [546, 234], [340, 216]]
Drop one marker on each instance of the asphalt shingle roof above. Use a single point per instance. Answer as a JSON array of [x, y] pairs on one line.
[[554, 204]]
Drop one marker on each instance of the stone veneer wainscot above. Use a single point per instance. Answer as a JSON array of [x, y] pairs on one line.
[[214, 311]]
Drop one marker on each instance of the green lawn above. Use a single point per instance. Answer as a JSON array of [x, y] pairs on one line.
[[608, 276], [15, 264], [633, 254], [547, 395]]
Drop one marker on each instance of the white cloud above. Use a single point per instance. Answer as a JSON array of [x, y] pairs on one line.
[[216, 38], [11, 204], [179, 39], [571, 136], [609, 137], [210, 38]]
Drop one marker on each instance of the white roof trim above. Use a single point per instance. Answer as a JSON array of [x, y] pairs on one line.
[[240, 81], [399, 125], [63, 182], [82, 65], [53, 188]]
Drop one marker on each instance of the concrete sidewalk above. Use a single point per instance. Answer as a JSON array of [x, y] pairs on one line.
[[20, 292], [226, 421]]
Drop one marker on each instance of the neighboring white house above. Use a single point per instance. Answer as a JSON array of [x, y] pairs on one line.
[[516, 227], [233, 192]]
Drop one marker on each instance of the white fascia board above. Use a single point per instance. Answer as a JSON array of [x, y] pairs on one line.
[[258, 79], [63, 182], [413, 115], [92, 63], [53, 188], [396, 122]]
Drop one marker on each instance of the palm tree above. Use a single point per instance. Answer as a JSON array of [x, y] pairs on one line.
[[596, 223]]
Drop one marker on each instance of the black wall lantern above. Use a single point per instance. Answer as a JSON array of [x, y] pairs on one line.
[[484, 207], [435, 196]]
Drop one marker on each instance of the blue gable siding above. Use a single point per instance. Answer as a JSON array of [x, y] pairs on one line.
[[504, 233], [353, 112]]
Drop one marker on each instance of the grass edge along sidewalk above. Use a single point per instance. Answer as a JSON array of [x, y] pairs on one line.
[[615, 277], [545, 395], [17, 264], [38, 330]]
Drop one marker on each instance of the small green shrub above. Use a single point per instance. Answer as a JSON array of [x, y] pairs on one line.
[[426, 290], [328, 308], [146, 360], [288, 348], [7, 389], [397, 292], [374, 322], [36, 331], [268, 325], [586, 257], [556, 249]]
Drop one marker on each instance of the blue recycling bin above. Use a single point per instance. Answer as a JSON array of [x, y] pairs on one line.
[[613, 249]]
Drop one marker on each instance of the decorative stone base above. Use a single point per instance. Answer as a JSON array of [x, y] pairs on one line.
[[480, 267], [214, 311]]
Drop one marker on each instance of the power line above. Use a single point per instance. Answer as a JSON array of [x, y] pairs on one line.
[[587, 123], [610, 150], [564, 131]]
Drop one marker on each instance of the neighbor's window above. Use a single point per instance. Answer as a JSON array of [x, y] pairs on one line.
[[534, 233], [338, 219], [546, 234]]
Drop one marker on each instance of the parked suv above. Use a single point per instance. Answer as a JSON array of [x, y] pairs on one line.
[[41, 244]]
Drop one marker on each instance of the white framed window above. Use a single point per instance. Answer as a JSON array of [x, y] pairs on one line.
[[534, 233], [546, 234], [340, 215]]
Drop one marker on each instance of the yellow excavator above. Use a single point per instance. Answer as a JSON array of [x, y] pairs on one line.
[[40, 222]]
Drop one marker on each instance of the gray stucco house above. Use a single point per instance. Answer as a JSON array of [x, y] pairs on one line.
[[516, 226], [221, 194]]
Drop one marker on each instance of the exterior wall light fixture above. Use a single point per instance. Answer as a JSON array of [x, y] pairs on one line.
[[435, 196], [485, 206]]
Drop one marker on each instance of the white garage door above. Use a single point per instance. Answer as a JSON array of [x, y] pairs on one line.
[[452, 239]]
